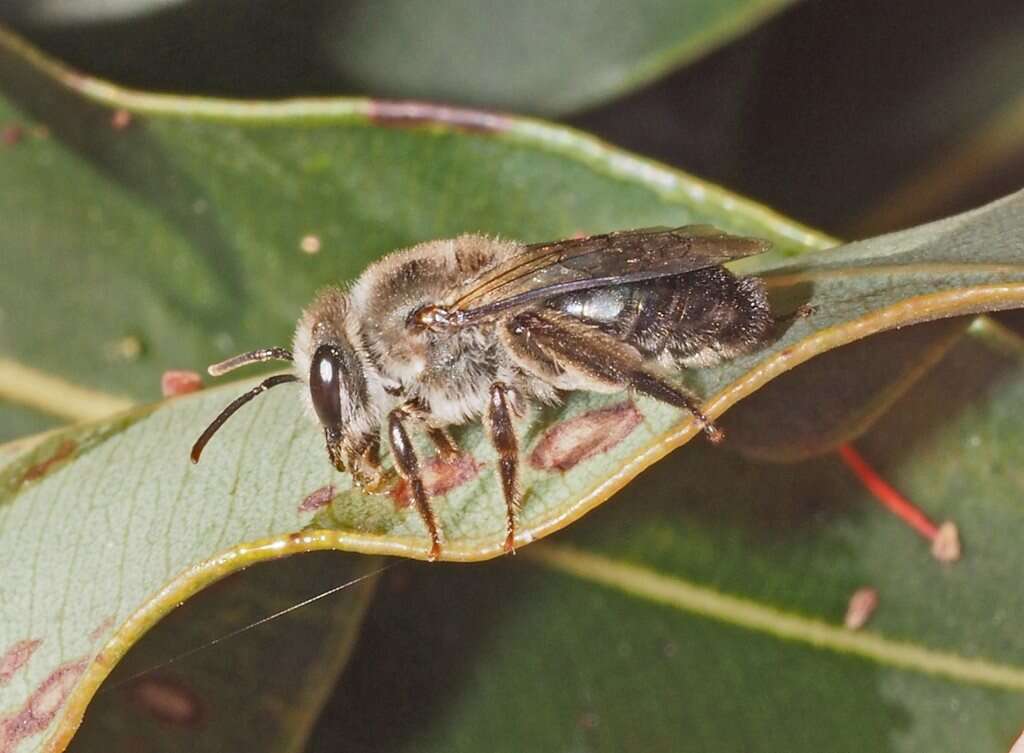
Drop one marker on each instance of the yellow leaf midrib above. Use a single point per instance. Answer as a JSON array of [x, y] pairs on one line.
[[687, 596], [42, 391]]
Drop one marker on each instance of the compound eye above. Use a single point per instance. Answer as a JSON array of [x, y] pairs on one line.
[[325, 386]]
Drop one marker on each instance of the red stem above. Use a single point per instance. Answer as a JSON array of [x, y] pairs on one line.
[[886, 494]]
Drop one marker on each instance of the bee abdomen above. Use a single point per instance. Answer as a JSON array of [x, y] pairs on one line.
[[696, 319], [722, 317]]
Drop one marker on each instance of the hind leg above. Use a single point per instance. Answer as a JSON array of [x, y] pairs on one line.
[[595, 360]]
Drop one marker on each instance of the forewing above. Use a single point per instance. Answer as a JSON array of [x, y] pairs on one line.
[[544, 270]]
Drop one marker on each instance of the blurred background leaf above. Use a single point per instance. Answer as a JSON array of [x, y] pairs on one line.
[[531, 56], [846, 116]]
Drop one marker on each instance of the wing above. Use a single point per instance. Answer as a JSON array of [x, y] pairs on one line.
[[544, 270]]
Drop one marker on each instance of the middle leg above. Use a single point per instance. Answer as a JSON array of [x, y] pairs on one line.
[[503, 437]]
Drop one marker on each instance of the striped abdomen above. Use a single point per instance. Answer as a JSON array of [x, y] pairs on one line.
[[695, 319]]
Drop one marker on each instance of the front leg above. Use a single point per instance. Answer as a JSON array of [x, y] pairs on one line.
[[503, 437], [404, 453], [363, 461]]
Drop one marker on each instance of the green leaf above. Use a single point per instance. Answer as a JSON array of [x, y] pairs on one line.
[[836, 398], [19, 422], [528, 56], [176, 214], [583, 53], [98, 208], [196, 213], [701, 610], [253, 486]]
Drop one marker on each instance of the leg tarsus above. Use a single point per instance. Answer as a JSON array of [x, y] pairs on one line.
[[408, 466], [447, 450], [503, 437], [653, 386]]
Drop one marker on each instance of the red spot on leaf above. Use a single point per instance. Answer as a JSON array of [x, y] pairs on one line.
[[121, 119], [16, 657], [439, 477], [173, 383], [569, 443], [405, 113], [101, 630], [11, 135], [64, 451], [317, 499], [168, 700], [41, 707]]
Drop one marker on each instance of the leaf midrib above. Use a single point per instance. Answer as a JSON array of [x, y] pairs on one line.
[[687, 596]]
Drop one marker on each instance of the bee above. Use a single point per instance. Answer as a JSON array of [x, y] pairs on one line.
[[451, 331]]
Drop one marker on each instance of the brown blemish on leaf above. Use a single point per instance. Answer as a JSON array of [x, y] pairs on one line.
[[179, 382], [439, 477], [41, 706], [167, 700], [569, 443], [16, 657], [317, 499], [405, 113], [43, 467], [102, 629]]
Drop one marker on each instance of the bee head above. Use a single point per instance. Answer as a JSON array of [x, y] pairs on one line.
[[337, 391], [326, 360]]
